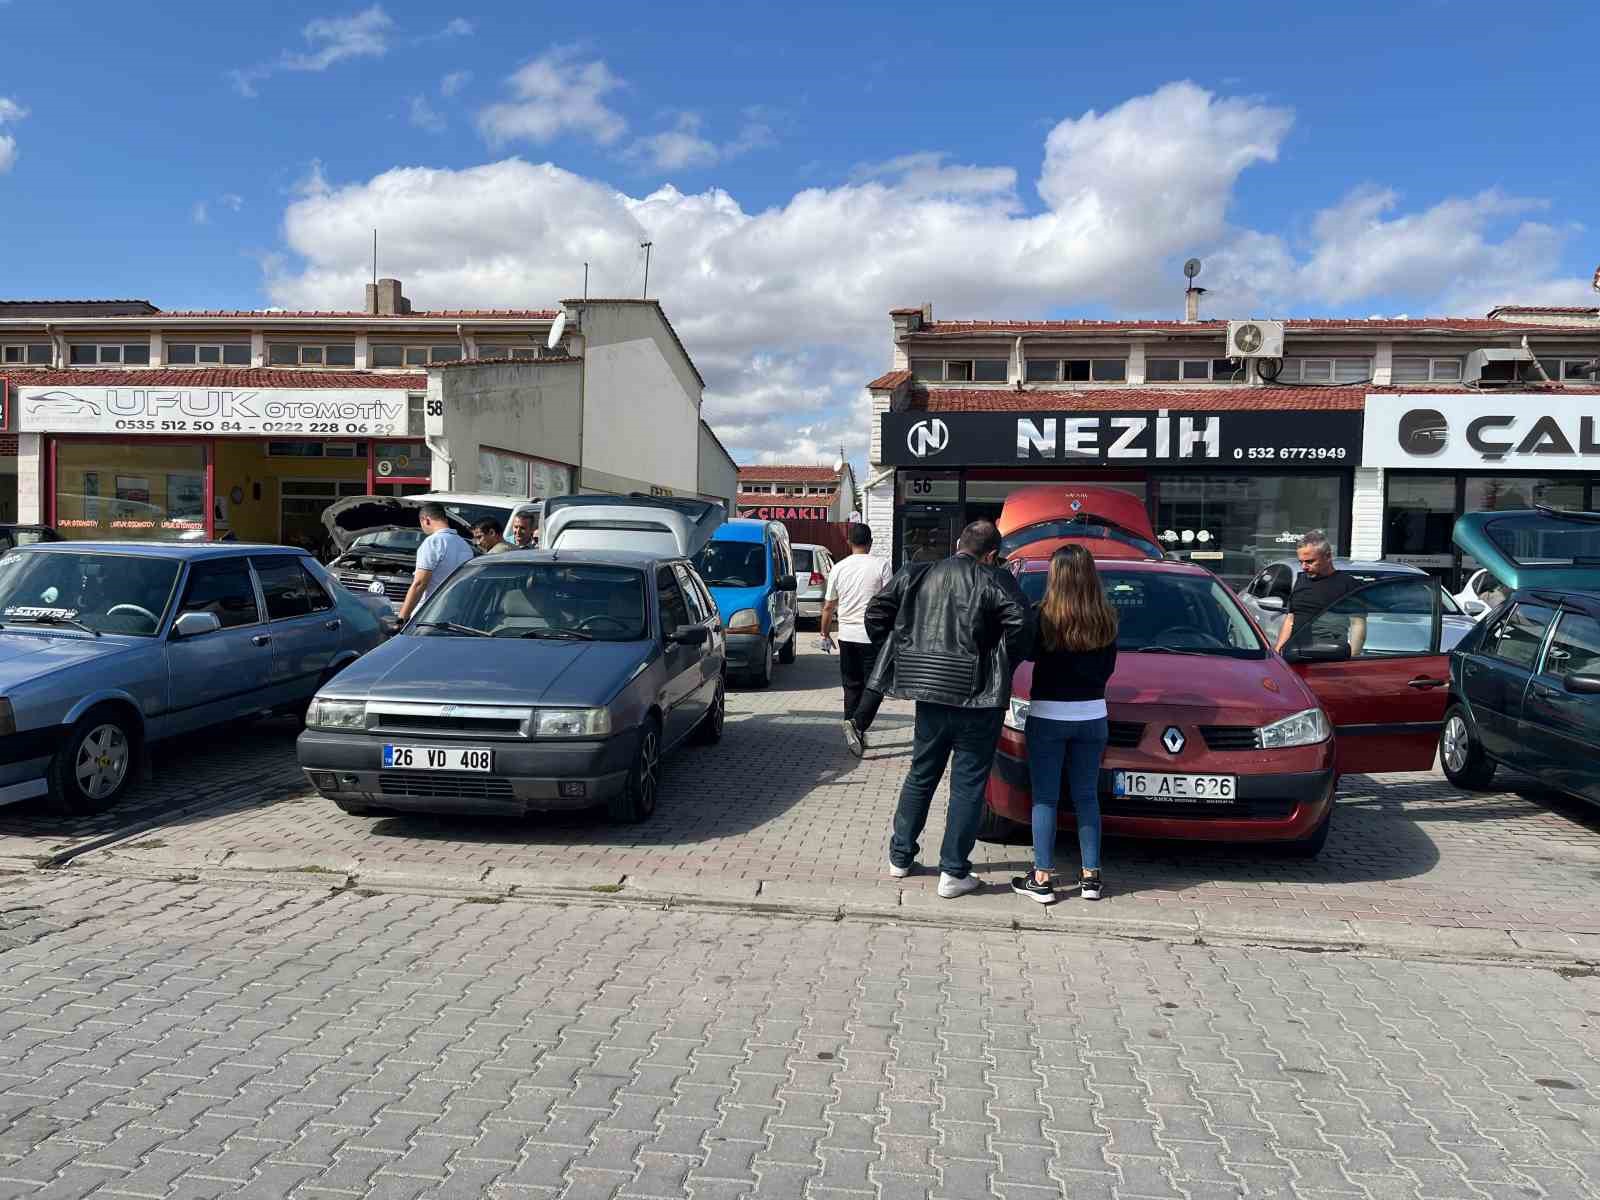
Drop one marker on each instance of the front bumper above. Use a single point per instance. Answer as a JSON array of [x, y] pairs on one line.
[[746, 652], [25, 762], [527, 776], [809, 605]]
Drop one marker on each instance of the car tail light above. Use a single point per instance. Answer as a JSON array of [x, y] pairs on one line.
[[816, 579]]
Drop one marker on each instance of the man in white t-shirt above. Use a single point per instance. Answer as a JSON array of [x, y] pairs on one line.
[[851, 584], [441, 552]]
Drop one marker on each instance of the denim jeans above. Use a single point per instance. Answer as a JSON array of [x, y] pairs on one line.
[[970, 734], [1078, 746]]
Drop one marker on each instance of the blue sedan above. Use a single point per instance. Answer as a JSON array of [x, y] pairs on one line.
[[106, 647]]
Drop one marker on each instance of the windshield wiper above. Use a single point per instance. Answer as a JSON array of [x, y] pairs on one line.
[[727, 583], [564, 635], [454, 628], [1165, 650], [55, 619]]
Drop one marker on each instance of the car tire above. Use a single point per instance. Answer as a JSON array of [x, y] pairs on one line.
[[786, 655], [637, 799], [95, 763], [1310, 847], [992, 827], [709, 731], [762, 676], [1461, 754]]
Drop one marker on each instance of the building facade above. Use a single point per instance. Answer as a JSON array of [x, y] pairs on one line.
[[1236, 457], [798, 493]]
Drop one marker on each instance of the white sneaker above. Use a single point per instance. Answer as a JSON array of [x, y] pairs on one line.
[[950, 887], [901, 872]]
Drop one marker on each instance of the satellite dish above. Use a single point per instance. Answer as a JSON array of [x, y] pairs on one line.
[[1191, 268], [556, 330], [1597, 279], [838, 465]]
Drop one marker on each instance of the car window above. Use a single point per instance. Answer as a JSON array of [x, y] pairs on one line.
[[112, 592], [1386, 619], [316, 594], [1282, 582], [222, 587], [691, 594], [283, 584], [1575, 648], [803, 559], [1517, 636], [698, 587], [1258, 585], [674, 609]]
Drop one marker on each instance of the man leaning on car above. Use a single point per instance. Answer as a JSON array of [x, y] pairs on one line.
[[441, 552], [1319, 587]]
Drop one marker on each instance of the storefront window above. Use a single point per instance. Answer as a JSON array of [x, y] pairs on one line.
[[1491, 493], [1236, 524], [109, 490], [401, 460], [503, 473], [1418, 516]]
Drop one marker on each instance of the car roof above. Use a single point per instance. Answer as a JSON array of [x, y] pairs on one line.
[[741, 529], [175, 550], [610, 558], [1160, 566], [1371, 566], [1586, 601], [488, 499]]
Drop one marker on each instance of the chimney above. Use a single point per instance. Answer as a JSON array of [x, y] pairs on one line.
[[384, 299], [1191, 303]]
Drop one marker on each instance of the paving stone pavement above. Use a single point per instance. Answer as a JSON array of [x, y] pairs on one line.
[[780, 800], [163, 1041]]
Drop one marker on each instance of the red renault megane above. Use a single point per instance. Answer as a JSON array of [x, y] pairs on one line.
[[1213, 735]]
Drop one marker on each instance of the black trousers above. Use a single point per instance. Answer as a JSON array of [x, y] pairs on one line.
[[856, 660]]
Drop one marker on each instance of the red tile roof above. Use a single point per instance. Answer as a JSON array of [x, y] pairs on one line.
[[215, 377], [503, 359], [888, 381], [1349, 325], [1555, 310], [443, 314], [1175, 398], [791, 498], [762, 474]]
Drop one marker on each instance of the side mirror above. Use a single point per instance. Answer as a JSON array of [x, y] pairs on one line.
[[785, 583], [1323, 652], [1583, 685], [1271, 603], [194, 624], [689, 635]]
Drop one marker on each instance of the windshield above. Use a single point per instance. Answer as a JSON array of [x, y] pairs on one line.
[[107, 593], [532, 600], [1157, 612], [1547, 539], [732, 564], [404, 541], [1081, 526]]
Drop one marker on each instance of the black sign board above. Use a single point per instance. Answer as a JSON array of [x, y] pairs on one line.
[[1233, 438]]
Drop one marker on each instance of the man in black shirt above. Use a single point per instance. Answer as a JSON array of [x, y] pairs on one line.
[[1320, 587]]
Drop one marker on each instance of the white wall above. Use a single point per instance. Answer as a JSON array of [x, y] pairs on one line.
[[527, 408], [718, 475], [1366, 514]]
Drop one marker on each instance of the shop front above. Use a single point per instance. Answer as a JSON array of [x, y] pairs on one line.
[[1229, 490]]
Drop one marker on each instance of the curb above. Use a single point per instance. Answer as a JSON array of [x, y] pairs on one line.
[[1574, 953]]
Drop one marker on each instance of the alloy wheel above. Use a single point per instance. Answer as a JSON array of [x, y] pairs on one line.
[[649, 769], [102, 762], [1455, 743]]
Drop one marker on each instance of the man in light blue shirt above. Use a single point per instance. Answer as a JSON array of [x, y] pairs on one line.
[[441, 552]]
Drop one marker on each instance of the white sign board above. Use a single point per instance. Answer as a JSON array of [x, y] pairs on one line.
[[213, 412], [1519, 431]]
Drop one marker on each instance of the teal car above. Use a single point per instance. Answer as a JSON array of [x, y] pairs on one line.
[[1525, 683], [749, 567]]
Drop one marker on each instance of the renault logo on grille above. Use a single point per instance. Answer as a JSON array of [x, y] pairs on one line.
[[928, 437], [1173, 740]]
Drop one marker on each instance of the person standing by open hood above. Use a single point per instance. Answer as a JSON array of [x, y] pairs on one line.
[[441, 552]]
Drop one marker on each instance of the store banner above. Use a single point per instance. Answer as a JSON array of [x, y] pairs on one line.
[[1525, 431], [212, 412], [1261, 438], [785, 512]]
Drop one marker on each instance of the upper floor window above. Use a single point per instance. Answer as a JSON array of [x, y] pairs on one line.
[[1570, 370], [1325, 370], [960, 370], [34, 354], [291, 354], [1193, 370], [518, 352], [379, 355], [1078, 370], [91, 354], [190, 354], [1427, 370]]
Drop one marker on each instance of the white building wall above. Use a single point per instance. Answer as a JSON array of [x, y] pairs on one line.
[[878, 515], [718, 475], [1366, 514], [526, 408], [30, 479]]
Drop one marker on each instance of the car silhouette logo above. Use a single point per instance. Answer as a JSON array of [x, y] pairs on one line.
[[1424, 431], [1173, 740], [62, 404], [927, 437]]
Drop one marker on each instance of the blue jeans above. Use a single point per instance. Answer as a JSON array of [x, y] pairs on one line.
[[1078, 747], [942, 730]]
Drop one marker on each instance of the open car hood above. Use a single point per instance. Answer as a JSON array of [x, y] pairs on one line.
[[662, 524], [347, 519], [1534, 547]]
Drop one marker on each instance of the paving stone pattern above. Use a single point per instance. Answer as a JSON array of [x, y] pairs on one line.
[[780, 800], [162, 1040]]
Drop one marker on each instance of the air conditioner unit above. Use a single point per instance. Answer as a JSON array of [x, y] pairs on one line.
[[1255, 339]]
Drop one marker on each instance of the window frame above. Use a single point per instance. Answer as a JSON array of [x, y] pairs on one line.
[[1495, 636], [100, 349], [661, 601], [1333, 360], [1564, 615], [221, 348], [203, 565], [920, 366], [1436, 591], [25, 354], [321, 349], [407, 349], [1433, 362], [1237, 374], [257, 565]]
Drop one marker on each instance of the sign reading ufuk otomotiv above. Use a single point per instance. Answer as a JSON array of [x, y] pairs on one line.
[[208, 412]]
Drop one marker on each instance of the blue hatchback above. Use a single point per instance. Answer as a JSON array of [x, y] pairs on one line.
[[750, 570]]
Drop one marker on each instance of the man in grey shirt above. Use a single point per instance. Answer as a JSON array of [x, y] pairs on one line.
[[441, 552]]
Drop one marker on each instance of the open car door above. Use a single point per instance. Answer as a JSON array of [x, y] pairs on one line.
[[666, 525], [1373, 659]]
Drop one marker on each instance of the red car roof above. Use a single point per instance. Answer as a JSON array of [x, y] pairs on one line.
[[1048, 502]]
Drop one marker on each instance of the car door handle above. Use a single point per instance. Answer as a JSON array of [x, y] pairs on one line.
[[261, 639], [1423, 682], [330, 625]]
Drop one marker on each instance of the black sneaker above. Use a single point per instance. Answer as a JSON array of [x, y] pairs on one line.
[[1027, 885], [1089, 886]]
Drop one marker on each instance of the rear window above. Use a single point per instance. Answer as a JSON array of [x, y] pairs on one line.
[[802, 559], [1547, 540]]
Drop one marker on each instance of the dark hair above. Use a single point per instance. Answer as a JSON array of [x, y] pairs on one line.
[[979, 539], [859, 534], [486, 525], [434, 512]]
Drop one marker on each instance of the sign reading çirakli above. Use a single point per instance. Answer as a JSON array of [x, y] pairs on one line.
[[364, 412]]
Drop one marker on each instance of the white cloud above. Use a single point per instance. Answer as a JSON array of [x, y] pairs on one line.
[[231, 201], [454, 82], [199, 214], [785, 308], [423, 115], [683, 146], [458, 27], [10, 110], [552, 95], [329, 40]]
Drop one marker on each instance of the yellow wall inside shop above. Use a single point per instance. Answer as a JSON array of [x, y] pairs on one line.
[[244, 464]]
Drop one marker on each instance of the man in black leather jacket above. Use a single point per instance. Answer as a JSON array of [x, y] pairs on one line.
[[951, 631]]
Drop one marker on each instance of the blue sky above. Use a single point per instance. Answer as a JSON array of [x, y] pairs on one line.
[[802, 168]]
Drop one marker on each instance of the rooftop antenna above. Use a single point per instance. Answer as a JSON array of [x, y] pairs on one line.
[[585, 281], [1192, 294], [645, 246], [374, 258]]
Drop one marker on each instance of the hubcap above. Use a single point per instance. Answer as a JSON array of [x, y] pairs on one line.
[[1455, 743], [721, 710], [647, 772], [102, 762]]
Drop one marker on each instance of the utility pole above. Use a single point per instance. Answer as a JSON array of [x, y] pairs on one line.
[[645, 246]]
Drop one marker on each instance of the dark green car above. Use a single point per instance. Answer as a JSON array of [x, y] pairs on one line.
[[1525, 683]]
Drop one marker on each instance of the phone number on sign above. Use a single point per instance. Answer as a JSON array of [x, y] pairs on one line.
[[1282, 452], [151, 425]]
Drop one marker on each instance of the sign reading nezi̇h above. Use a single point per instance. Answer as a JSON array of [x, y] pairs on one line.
[[209, 412]]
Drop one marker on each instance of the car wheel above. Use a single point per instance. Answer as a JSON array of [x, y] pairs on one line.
[[95, 763], [992, 827], [637, 800], [709, 731], [763, 673], [786, 655], [1461, 754], [1310, 847]]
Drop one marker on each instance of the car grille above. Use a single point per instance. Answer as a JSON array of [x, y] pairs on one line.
[[394, 589], [444, 786], [1124, 735], [406, 722], [1229, 737]]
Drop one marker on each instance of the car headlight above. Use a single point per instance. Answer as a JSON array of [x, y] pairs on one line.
[[1017, 715], [572, 722], [8, 717], [746, 620], [337, 714], [1303, 729]]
